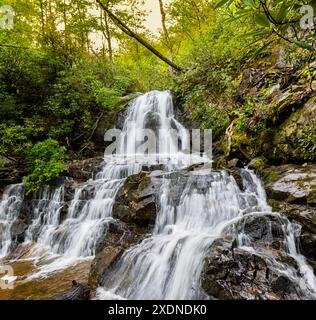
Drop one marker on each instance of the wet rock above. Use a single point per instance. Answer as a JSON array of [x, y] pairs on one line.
[[17, 230], [251, 262], [101, 263], [261, 229], [77, 292], [258, 164], [136, 200], [152, 121], [291, 183], [239, 274], [119, 237], [150, 168], [236, 173], [308, 245], [305, 217], [283, 285], [235, 163], [86, 169]]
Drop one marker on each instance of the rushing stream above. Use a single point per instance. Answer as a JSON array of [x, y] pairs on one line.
[[168, 264]]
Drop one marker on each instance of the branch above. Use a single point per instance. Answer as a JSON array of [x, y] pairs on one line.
[[272, 19], [120, 24]]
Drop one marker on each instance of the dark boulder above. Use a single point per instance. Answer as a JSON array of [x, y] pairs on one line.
[[136, 200], [102, 262], [17, 230], [238, 274], [85, 169], [252, 266]]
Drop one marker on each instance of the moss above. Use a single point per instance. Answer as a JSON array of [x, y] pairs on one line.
[[271, 176], [276, 205], [288, 261]]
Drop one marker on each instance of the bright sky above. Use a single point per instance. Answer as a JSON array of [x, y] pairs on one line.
[[154, 18]]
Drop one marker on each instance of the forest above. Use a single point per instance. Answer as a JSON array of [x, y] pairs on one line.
[[67, 62], [246, 69]]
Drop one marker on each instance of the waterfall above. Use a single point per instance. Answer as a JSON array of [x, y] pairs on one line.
[[169, 263], [67, 238], [10, 206], [194, 209]]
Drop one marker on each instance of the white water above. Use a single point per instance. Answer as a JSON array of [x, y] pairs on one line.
[[168, 264], [9, 210], [61, 241]]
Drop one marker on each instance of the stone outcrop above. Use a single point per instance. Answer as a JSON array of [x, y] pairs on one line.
[[291, 190], [136, 200], [85, 169], [238, 273], [275, 118]]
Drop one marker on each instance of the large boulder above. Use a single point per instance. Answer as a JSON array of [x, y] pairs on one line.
[[255, 269], [85, 169], [102, 262], [136, 200], [292, 191], [120, 236], [291, 183], [238, 274]]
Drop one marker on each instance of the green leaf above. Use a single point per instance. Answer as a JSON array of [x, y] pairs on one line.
[[249, 3], [304, 45], [282, 12], [262, 20], [255, 34], [222, 3]]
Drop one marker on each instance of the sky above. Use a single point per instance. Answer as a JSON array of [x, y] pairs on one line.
[[154, 18], [153, 22]]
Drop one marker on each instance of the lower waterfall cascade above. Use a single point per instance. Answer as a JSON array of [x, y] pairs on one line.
[[168, 264]]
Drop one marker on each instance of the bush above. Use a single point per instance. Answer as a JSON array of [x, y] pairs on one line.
[[48, 162]]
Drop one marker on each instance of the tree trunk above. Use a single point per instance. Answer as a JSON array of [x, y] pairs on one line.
[[108, 37], [165, 29], [132, 34]]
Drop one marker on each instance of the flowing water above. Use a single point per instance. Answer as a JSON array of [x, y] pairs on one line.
[[168, 264], [10, 206], [194, 209]]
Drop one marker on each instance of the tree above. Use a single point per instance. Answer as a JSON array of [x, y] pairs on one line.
[[120, 24], [276, 17], [166, 36]]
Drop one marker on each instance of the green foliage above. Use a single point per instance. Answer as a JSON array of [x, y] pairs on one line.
[[14, 140], [48, 162], [244, 117], [108, 98], [307, 143], [273, 17]]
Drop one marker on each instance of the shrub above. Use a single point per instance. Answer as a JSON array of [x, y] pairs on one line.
[[48, 162]]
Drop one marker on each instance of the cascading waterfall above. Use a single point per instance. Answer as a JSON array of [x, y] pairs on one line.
[[10, 206], [168, 264], [76, 235]]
